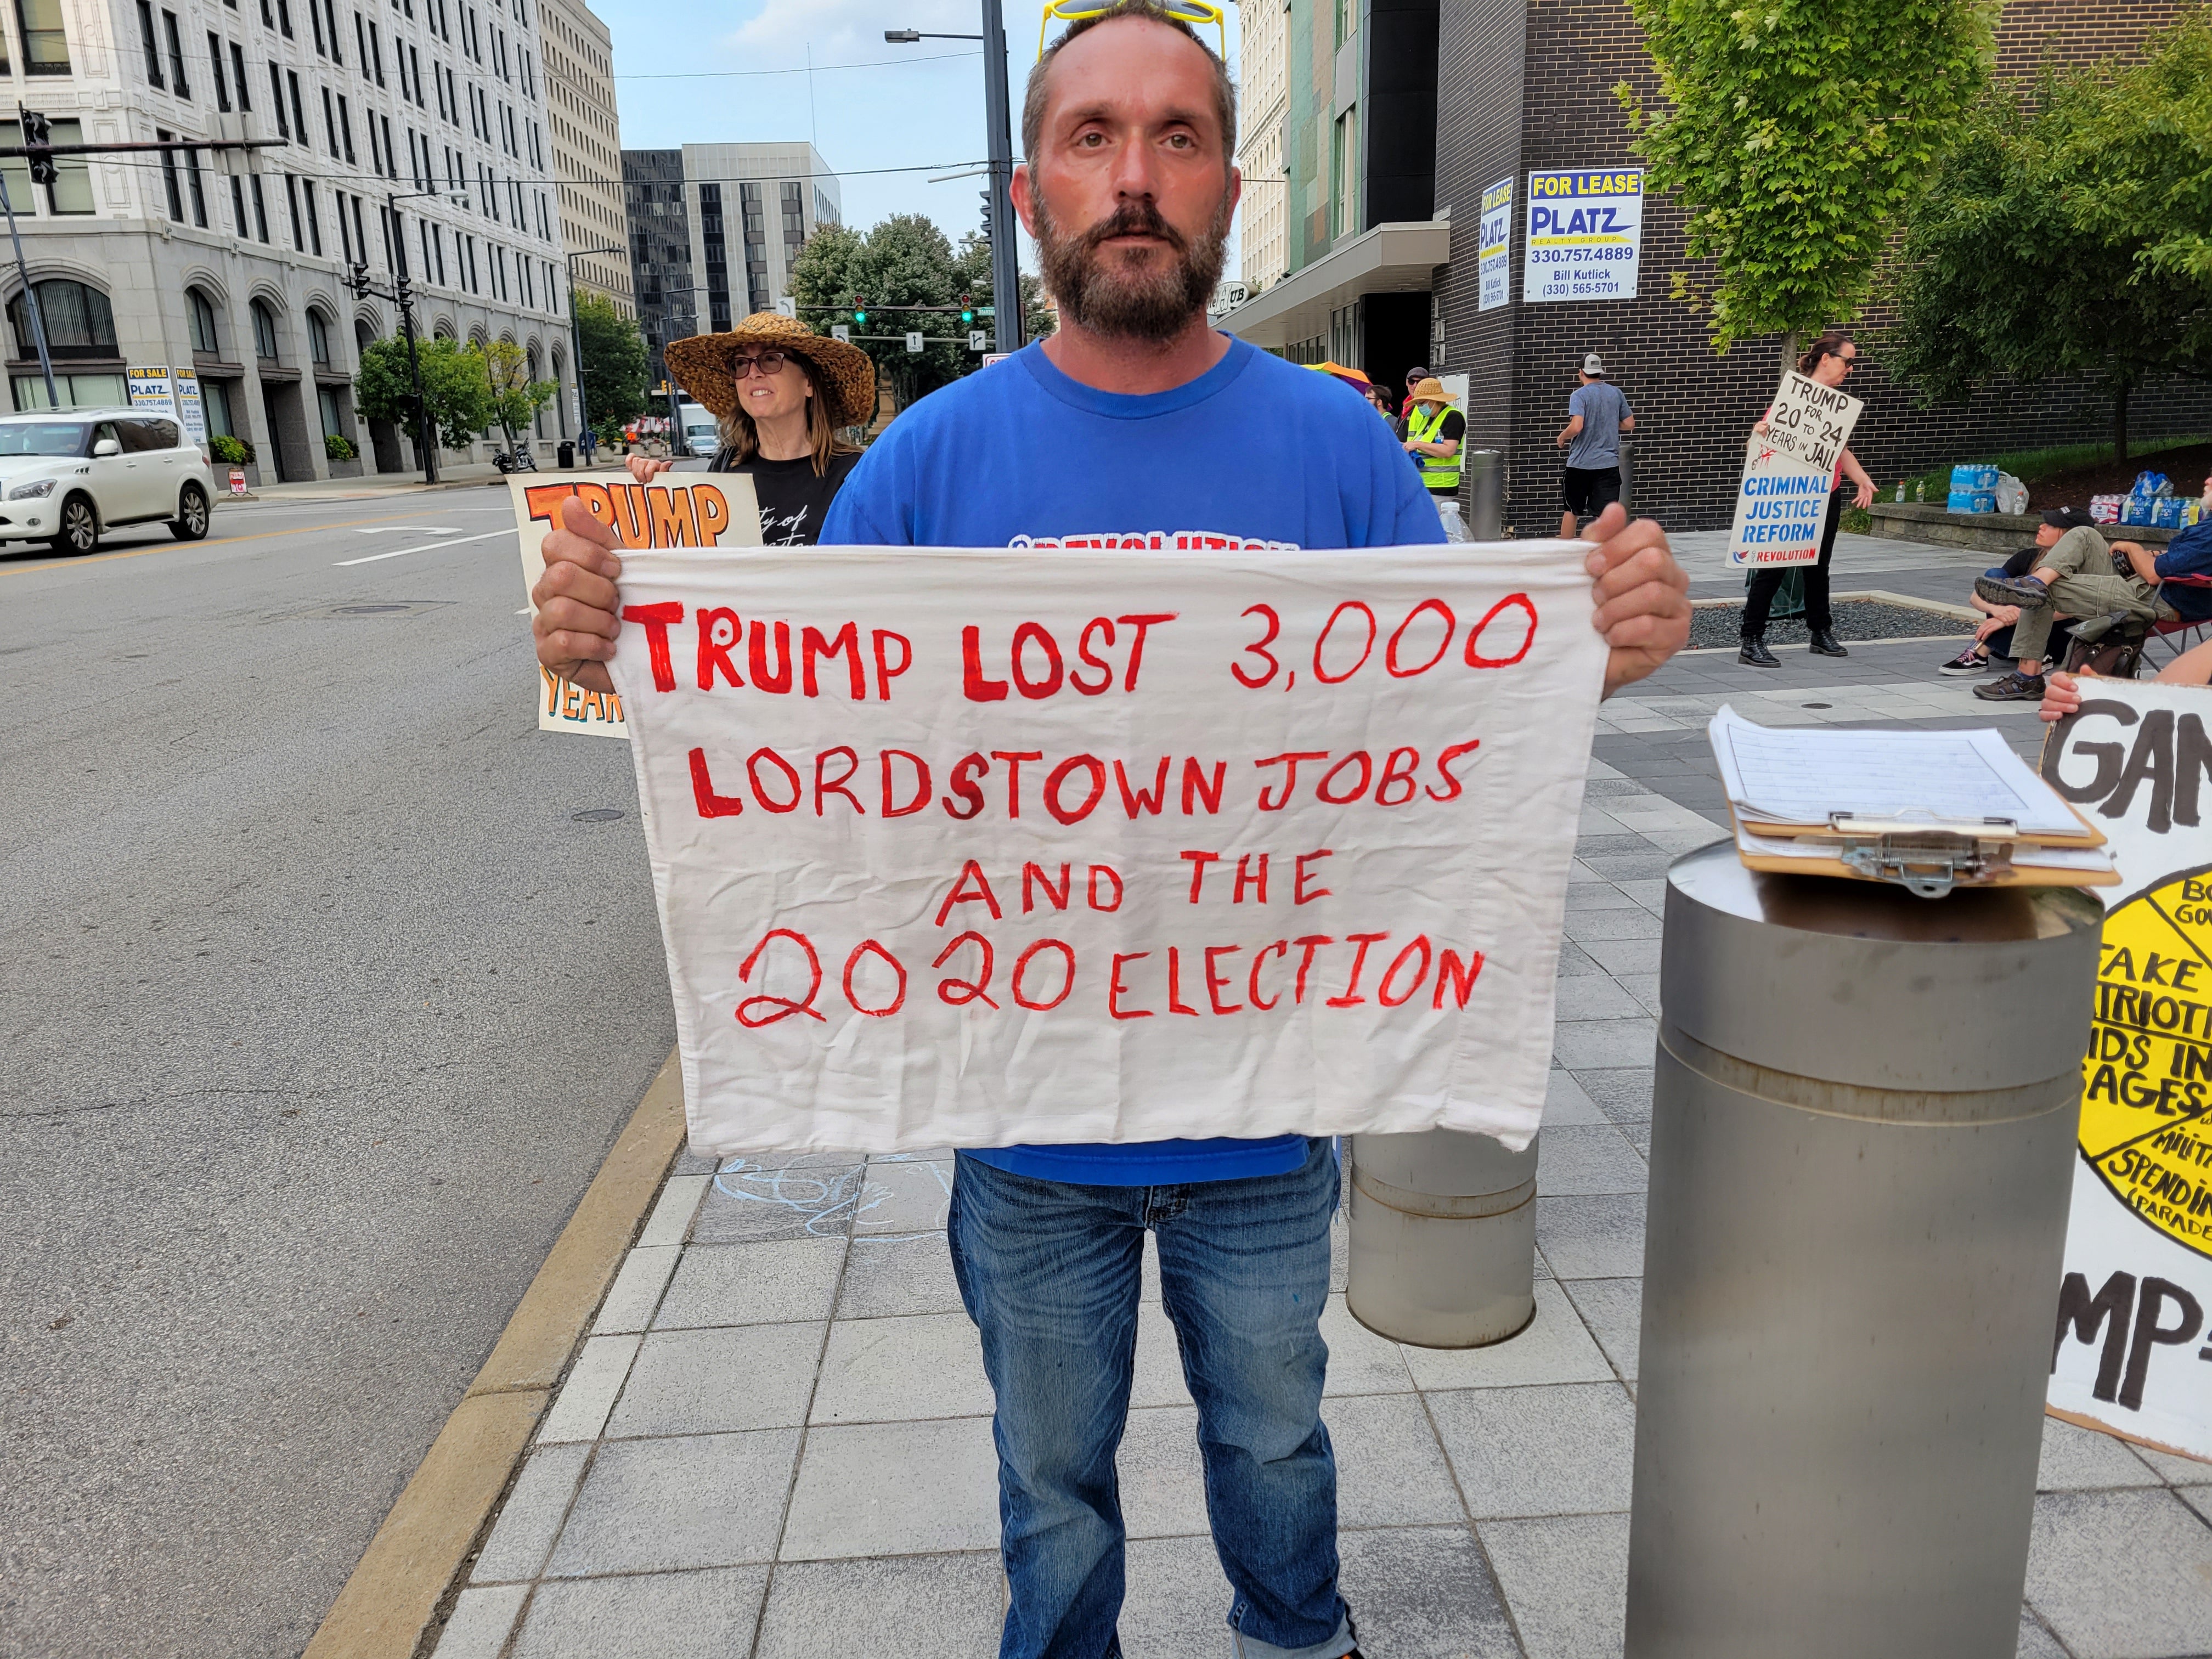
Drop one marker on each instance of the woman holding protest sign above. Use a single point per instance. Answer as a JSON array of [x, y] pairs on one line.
[[780, 392], [1828, 361]]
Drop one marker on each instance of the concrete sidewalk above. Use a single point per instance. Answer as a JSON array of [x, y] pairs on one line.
[[776, 1440]]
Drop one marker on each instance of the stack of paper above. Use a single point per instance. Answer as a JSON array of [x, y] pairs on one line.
[[1797, 793]]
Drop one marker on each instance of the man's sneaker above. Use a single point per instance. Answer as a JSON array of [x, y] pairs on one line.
[[1826, 644], [1972, 660], [2015, 687], [2028, 593], [1757, 655]]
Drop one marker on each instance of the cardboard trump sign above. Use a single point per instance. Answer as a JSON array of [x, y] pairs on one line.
[[2133, 1352], [678, 510], [1782, 502], [982, 848]]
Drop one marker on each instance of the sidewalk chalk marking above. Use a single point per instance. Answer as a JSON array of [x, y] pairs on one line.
[[427, 547]]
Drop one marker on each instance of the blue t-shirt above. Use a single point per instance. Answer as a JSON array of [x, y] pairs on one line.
[[2189, 554], [1603, 408], [1256, 451]]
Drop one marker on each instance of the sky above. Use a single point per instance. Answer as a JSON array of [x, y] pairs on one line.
[[918, 108]]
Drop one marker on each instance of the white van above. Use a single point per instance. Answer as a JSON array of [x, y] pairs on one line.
[[702, 436]]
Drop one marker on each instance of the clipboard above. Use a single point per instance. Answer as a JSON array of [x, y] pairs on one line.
[[1928, 856]]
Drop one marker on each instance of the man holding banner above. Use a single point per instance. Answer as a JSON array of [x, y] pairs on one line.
[[1108, 434]]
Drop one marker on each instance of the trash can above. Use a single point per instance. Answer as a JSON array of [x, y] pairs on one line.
[[1862, 1147], [1485, 495], [567, 453], [1443, 1237]]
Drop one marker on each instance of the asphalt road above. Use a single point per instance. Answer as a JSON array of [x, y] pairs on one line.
[[321, 1009]]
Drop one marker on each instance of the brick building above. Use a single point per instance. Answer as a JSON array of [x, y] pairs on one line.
[[1382, 258]]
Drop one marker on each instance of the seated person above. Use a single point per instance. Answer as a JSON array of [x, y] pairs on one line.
[[2063, 695], [1992, 640], [2080, 577]]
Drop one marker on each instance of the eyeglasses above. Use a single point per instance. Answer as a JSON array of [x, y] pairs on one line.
[[1200, 12], [769, 362]]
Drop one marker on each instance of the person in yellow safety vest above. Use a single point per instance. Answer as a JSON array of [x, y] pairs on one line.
[[1434, 434]]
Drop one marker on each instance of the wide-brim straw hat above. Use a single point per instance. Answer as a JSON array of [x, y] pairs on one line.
[[1431, 390], [844, 375]]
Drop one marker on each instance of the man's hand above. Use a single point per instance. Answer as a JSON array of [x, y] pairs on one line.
[[646, 468], [579, 608], [2061, 694], [1865, 497], [1642, 593]]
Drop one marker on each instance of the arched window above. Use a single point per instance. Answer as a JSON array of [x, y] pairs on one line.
[[265, 332], [79, 323], [200, 314], [363, 338], [318, 341], [530, 359]]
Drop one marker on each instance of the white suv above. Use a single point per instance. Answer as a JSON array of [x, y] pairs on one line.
[[67, 476]]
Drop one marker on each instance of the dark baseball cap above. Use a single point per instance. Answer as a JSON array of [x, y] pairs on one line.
[[2066, 518]]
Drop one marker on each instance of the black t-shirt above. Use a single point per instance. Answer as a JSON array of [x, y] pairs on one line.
[[1454, 427], [793, 499]]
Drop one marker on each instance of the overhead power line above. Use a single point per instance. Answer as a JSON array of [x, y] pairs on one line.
[[819, 68]]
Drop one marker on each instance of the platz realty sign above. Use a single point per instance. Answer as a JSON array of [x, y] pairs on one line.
[[2133, 1352], [1168, 836]]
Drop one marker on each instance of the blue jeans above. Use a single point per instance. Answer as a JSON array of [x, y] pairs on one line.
[[1049, 1272]]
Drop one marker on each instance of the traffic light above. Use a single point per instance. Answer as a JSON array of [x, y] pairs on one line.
[[967, 310], [860, 312], [38, 133]]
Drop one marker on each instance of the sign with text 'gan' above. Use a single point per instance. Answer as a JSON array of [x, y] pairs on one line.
[[2133, 1352], [1782, 500], [982, 848], [675, 510], [1584, 236]]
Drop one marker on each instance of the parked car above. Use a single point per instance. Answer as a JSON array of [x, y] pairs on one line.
[[68, 476], [702, 435]]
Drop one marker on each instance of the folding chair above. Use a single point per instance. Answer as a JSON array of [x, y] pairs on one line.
[[2175, 637]]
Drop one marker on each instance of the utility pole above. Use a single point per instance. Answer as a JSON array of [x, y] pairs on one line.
[[402, 293], [576, 332]]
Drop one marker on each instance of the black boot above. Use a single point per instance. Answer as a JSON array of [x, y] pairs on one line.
[[1755, 652], [1824, 644]]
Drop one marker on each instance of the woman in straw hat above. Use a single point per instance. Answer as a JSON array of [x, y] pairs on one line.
[[780, 392]]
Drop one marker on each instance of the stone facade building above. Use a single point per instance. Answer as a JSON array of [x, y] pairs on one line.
[[1400, 113], [586, 138], [411, 135], [714, 229]]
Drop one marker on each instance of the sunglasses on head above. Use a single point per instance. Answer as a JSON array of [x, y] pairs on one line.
[[1197, 12], [767, 362]]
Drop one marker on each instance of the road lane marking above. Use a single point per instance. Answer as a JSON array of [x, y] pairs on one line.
[[427, 547], [171, 546]]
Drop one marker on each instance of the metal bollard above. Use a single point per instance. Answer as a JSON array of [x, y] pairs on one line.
[[1485, 476], [1443, 1237], [1628, 475], [1862, 1149]]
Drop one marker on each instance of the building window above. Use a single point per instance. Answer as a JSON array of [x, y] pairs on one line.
[[292, 203], [153, 49], [237, 73], [199, 315], [79, 322], [222, 81], [215, 398], [1344, 176], [260, 212], [265, 332], [169, 176], [197, 189], [1347, 20], [46, 43], [318, 341], [238, 206], [326, 399], [314, 219], [71, 190], [177, 83]]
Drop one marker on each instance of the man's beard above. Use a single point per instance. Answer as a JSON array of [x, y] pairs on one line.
[[1134, 293]]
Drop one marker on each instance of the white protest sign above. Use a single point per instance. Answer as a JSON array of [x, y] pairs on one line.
[[1494, 263], [674, 510], [1782, 502], [982, 849], [2132, 1353], [1585, 235]]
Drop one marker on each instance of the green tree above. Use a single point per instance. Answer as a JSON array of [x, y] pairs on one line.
[[1793, 132], [2063, 236], [515, 398], [613, 366], [904, 261], [454, 389]]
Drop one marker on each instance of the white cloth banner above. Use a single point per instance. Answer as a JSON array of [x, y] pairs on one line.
[[2133, 1309], [980, 849], [1782, 501]]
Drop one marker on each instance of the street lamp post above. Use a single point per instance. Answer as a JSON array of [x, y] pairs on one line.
[[576, 334], [402, 293], [1005, 253]]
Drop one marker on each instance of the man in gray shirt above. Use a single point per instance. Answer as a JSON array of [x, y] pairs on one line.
[[1597, 414]]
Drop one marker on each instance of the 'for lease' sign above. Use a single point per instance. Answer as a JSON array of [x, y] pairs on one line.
[[982, 849], [1585, 235]]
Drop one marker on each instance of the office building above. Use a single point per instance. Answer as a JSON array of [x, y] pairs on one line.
[[1399, 117], [714, 229], [586, 135], [1263, 47], [410, 136]]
